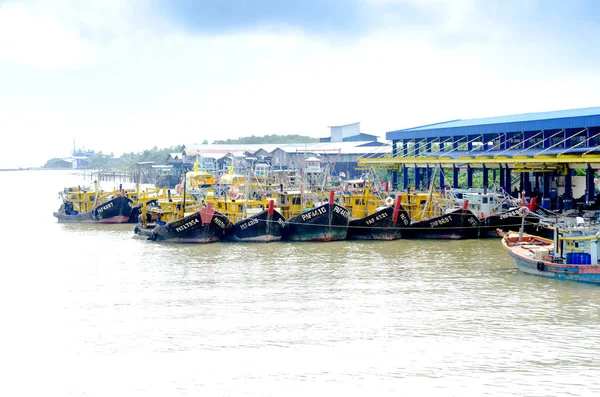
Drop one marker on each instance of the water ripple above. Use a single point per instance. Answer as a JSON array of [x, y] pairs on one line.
[[445, 318]]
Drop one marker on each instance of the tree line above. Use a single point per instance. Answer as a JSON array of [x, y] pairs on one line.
[[128, 161]]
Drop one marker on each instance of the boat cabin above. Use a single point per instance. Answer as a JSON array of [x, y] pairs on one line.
[[481, 202]]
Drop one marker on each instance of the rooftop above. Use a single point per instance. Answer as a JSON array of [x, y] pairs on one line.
[[554, 120]]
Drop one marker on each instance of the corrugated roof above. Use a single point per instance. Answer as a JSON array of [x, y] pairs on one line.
[[555, 120], [350, 147]]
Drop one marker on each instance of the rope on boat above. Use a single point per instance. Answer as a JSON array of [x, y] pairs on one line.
[[410, 227]]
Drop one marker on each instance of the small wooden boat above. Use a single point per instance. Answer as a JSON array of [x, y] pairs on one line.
[[569, 256], [86, 206]]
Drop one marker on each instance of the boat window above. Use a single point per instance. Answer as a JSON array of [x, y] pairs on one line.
[[357, 201], [296, 200], [484, 200]]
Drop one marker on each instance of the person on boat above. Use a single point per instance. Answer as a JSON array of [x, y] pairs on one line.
[[515, 192]]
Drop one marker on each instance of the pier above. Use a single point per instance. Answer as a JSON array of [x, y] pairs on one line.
[[536, 154], [113, 176]]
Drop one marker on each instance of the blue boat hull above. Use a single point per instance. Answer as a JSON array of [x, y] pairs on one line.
[[580, 273]]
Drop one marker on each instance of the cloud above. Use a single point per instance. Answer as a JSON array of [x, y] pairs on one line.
[[242, 15], [121, 76], [39, 38], [330, 19]]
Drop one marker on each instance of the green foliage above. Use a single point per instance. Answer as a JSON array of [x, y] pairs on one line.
[[56, 163], [273, 138], [100, 161], [84, 153], [127, 161]]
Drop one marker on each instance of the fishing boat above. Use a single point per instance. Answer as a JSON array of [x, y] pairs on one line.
[[387, 223], [203, 226], [371, 216], [441, 219], [568, 256], [563, 222], [455, 224], [497, 210], [323, 222], [264, 226], [180, 219], [87, 206], [254, 218]]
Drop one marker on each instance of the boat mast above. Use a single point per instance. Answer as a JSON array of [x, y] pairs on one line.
[[325, 175], [246, 192], [430, 192], [367, 192], [95, 194], [183, 204], [302, 180]]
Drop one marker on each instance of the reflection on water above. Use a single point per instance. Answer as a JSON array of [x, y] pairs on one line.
[[92, 311]]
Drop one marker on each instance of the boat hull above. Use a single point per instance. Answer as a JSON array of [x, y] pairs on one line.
[[510, 220], [328, 222], [117, 210], [456, 225], [379, 225], [261, 227], [197, 228], [587, 274]]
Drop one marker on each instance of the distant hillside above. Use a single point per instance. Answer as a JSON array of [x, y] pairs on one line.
[[273, 138]]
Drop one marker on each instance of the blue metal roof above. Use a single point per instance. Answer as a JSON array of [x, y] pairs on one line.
[[556, 120]]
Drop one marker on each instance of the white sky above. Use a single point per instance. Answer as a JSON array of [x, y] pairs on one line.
[[120, 76]]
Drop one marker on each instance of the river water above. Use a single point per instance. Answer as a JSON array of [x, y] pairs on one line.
[[89, 310]]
